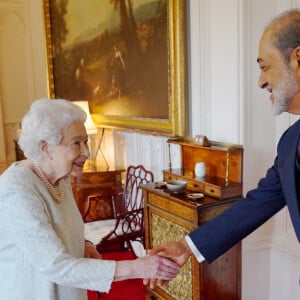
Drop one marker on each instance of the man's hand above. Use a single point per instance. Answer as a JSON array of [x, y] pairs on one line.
[[91, 251], [178, 251]]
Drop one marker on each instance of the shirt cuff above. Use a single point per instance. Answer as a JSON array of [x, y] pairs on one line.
[[200, 258]]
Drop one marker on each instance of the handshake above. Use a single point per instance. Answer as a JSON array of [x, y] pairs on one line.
[[162, 263]]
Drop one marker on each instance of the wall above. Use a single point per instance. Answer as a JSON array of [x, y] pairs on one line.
[[23, 73], [224, 103]]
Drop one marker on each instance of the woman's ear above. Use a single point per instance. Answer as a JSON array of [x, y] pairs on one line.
[[43, 145]]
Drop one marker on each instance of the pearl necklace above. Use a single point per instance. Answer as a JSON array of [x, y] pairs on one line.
[[55, 192]]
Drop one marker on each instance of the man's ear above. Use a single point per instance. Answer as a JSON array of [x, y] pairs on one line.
[[295, 60], [298, 55]]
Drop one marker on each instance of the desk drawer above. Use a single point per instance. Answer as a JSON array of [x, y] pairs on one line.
[[195, 186], [170, 177], [174, 208], [212, 190]]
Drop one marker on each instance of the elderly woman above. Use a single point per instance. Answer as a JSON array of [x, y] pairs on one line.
[[43, 254]]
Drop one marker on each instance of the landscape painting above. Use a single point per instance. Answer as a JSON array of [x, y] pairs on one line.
[[116, 55]]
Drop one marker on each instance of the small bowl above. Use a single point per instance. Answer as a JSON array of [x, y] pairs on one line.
[[176, 186]]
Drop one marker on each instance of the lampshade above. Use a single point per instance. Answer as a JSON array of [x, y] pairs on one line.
[[89, 123]]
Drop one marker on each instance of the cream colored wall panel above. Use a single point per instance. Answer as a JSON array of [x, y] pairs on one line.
[[199, 56], [15, 90], [151, 151], [215, 56], [3, 162], [119, 149], [255, 282], [224, 70], [148, 150], [37, 53], [159, 156], [284, 276], [23, 68]]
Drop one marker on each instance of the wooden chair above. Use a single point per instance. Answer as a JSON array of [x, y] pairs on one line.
[[99, 216], [123, 213], [99, 207], [129, 207]]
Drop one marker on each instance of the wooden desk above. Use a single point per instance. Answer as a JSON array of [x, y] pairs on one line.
[[171, 217], [90, 183]]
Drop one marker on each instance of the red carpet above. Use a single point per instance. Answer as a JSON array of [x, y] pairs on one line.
[[132, 289]]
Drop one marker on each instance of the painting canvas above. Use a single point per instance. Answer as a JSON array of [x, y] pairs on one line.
[[117, 54]]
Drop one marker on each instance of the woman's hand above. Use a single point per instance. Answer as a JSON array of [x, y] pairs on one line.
[[150, 266], [91, 251]]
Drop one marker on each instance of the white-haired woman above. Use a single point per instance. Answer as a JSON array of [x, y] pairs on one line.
[[43, 254]]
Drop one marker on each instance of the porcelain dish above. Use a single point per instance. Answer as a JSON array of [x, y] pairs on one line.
[[195, 196], [176, 186]]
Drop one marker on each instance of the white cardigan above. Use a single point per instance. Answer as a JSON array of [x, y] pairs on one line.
[[42, 243]]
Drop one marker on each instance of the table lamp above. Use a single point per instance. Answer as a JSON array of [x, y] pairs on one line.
[[92, 132]]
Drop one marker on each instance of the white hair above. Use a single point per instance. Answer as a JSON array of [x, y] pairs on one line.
[[45, 121]]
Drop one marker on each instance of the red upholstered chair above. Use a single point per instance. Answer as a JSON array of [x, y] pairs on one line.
[[121, 215]]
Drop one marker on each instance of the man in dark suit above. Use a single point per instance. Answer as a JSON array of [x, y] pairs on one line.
[[279, 62]]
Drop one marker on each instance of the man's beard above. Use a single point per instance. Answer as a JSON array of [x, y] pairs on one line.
[[284, 92]]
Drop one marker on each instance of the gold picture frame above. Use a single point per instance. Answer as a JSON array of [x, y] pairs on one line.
[[163, 111]]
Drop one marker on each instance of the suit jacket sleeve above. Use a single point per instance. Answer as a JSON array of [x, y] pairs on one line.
[[272, 193]]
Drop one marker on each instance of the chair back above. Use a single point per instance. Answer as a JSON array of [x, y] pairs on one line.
[[99, 207], [129, 212], [133, 194]]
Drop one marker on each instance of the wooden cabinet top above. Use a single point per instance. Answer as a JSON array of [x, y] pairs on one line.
[[192, 213], [222, 160], [182, 198], [98, 177]]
